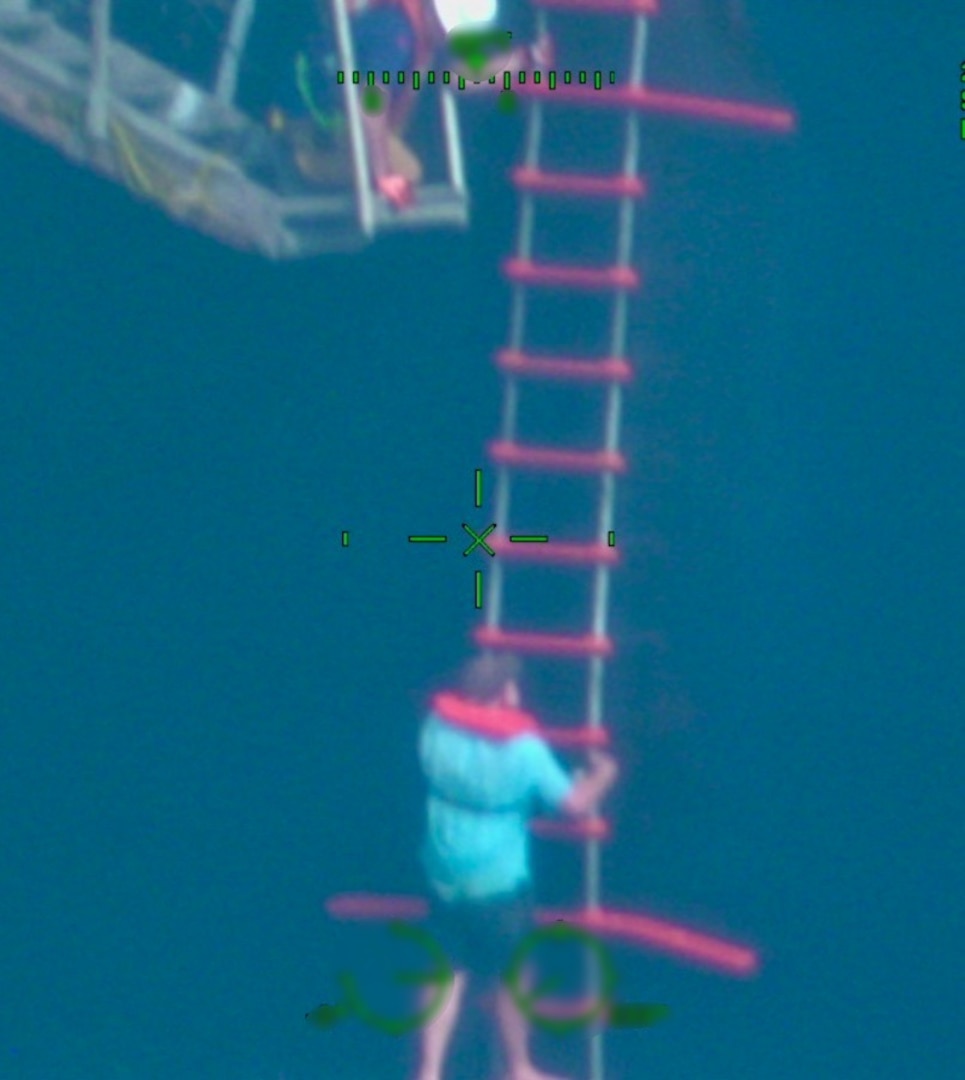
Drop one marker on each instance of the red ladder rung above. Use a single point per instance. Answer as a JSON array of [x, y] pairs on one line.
[[376, 906], [608, 369], [631, 927], [717, 110], [522, 641], [580, 184], [661, 935], [515, 454], [556, 551], [603, 7], [583, 829], [528, 272], [576, 738]]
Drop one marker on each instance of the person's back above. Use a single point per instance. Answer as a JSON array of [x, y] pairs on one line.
[[481, 796]]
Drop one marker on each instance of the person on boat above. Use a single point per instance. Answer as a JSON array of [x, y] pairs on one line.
[[486, 764], [486, 38], [403, 35], [393, 36]]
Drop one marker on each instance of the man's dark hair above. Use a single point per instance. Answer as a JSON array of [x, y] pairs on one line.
[[485, 675]]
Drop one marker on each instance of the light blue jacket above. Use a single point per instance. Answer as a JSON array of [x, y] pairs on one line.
[[481, 794]]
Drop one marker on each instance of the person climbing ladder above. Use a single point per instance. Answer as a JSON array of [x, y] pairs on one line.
[[485, 764]]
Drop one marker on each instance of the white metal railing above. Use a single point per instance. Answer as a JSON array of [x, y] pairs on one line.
[[100, 68], [360, 159], [226, 81], [455, 170]]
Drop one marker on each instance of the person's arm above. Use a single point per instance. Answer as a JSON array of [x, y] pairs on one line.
[[591, 786], [394, 187], [376, 127]]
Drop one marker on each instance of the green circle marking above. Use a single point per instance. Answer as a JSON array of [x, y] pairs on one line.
[[440, 976], [559, 931]]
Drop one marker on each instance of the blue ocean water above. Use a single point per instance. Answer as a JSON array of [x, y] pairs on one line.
[[208, 706]]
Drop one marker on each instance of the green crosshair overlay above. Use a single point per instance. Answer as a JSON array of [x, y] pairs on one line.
[[479, 540]]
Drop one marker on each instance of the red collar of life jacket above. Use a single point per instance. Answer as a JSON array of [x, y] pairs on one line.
[[490, 721]]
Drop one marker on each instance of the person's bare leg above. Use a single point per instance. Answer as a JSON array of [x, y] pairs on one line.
[[515, 1032], [376, 127], [394, 187], [400, 110], [436, 1034]]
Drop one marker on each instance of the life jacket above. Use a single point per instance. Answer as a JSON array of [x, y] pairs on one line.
[[497, 722]]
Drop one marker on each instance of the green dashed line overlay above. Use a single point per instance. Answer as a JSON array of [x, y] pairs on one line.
[[582, 79]]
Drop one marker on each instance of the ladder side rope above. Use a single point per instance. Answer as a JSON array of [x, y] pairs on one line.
[[605, 508], [592, 867]]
